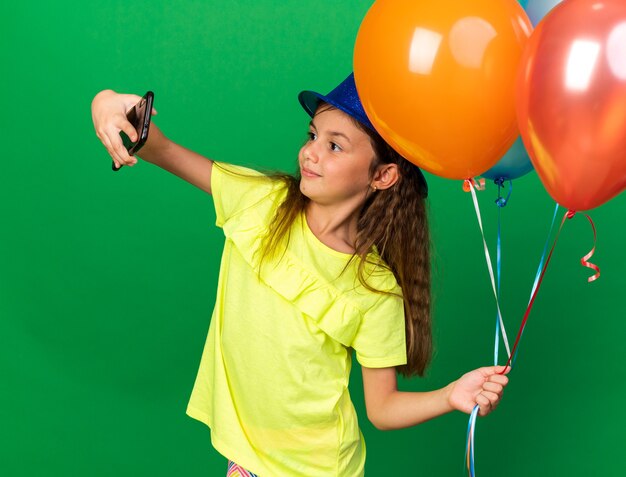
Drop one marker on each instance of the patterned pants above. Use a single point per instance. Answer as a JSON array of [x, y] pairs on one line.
[[236, 471]]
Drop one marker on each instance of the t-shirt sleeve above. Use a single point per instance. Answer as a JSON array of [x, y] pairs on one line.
[[380, 340], [236, 189]]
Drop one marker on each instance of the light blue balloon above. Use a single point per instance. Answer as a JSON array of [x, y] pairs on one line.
[[523, 3], [537, 9], [515, 163]]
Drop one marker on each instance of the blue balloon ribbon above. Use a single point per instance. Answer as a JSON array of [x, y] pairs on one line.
[[500, 202], [469, 449]]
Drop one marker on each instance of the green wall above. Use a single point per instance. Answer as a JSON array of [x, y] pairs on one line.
[[108, 279]]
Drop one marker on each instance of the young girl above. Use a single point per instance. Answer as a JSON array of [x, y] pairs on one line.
[[332, 260]]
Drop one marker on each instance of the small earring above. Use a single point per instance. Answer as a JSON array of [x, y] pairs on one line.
[[374, 188]]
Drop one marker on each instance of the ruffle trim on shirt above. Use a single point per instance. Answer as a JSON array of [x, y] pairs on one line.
[[337, 317]]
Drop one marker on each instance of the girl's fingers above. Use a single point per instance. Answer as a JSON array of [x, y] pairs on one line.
[[493, 387], [493, 398], [107, 143], [129, 130], [116, 148], [487, 401], [498, 378], [484, 404], [154, 112], [121, 153]]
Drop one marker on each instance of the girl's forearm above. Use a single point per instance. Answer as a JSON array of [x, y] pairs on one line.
[[406, 409], [184, 163]]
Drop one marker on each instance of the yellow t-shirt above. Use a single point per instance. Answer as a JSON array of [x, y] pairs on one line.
[[273, 379]]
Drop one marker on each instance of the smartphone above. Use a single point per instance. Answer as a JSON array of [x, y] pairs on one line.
[[139, 116]]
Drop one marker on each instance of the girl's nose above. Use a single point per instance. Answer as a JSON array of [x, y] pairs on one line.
[[310, 152]]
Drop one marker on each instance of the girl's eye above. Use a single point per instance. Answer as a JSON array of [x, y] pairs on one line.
[[335, 147], [312, 136]]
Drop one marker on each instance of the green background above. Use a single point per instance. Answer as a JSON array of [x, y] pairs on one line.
[[108, 278]]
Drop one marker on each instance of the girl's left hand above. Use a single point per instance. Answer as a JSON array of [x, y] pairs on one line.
[[483, 386]]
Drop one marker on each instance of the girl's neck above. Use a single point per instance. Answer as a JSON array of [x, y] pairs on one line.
[[335, 227]]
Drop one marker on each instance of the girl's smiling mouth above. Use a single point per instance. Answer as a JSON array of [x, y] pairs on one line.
[[308, 173]]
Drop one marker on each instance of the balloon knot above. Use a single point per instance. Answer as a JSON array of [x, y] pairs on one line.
[[499, 181], [571, 214], [478, 184]]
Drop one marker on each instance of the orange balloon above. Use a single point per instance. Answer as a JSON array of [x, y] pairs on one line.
[[571, 99], [437, 79]]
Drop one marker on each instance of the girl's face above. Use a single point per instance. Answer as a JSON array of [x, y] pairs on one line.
[[336, 159]]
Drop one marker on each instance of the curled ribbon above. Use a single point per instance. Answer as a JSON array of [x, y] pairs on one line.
[[585, 260]]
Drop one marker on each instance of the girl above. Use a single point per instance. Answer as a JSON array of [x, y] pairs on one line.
[[333, 259]]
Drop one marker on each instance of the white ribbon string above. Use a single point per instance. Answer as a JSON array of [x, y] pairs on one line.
[[490, 267]]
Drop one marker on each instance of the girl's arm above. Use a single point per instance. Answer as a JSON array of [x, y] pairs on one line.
[[388, 408], [108, 110]]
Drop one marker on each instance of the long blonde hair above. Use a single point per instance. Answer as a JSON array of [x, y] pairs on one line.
[[395, 222]]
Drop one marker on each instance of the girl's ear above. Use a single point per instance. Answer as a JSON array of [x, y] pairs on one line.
[[385, 177]]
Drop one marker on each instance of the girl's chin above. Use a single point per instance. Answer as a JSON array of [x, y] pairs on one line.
[[308, 191]]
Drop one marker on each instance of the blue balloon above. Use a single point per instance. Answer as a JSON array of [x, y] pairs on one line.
[[537, 9], [515, 163]]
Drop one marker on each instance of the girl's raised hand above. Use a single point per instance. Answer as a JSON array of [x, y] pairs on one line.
[[483, 386], [108, 112]]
